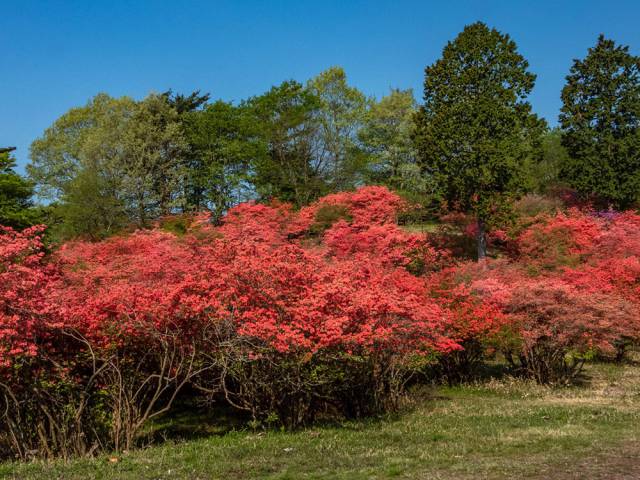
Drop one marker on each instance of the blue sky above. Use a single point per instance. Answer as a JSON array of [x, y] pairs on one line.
[[57, 54]]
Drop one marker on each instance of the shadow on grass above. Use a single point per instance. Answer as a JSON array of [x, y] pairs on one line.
[[188, 421]]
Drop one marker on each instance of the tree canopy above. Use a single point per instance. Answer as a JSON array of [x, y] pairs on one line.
[[476, 133], [16, 207], [600, 120], [473, 146]]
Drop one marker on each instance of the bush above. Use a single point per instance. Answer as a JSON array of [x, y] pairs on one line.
[[244, 308], [52, 410], [474, 324], [571, 291], [326, 216], [291, 316], [296, 389], [561, 328], [558, 241], [46, 384], [532, 205]]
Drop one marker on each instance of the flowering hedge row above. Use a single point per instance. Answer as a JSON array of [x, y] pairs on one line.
[[291, 315]]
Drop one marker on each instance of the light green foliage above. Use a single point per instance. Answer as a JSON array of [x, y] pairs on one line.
[[77, 165], [308, 137], [600, 121], [386, 136], [154, 167], [546, 172], [84, 137], [112, 162], [340, 115], [475, 132], [89, 208]]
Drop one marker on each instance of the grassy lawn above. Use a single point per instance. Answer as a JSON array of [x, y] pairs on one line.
[[496, 429]]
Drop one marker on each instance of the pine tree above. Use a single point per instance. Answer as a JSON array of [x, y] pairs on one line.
[[600, 121], [475, 131], [16, 209]]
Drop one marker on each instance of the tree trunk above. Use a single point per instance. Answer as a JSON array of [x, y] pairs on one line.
[[482, 240]]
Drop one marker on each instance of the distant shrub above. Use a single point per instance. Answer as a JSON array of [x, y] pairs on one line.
[[558, 241], [571, 290], [326, 216], [177, 224], [562, 328], [533, 204]]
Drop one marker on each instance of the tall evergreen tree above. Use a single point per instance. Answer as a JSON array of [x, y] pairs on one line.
[[600, 120], [16, 208], [475, 132]]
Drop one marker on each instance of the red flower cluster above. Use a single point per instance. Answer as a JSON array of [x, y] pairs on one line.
[[293, 313], [350, 284], [25, 285], [348, 291], [571, 288]]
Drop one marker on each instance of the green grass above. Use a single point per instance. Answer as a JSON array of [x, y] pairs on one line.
[[425, 227], [495, 429]]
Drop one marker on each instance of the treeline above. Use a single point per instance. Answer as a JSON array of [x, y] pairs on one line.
[[116, 162], [473, 145]]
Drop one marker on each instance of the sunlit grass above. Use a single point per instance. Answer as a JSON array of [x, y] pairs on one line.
[[504, 428]]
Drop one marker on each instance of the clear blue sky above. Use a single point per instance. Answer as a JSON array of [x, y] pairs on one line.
[[57, 54]]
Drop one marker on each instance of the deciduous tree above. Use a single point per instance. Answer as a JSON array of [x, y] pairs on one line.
[[386, 135]]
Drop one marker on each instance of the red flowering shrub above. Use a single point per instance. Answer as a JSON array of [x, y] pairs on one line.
[[250, 295], [133, 300], [363, 208], [388, 243], [367, 205], [23, 279], [571, 291], [593, 252], [612, 266], [326, 318], [561, 327], [475, 323], [255, 222], [560, 240], [291, 315], [44, 378], [338, 315]]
